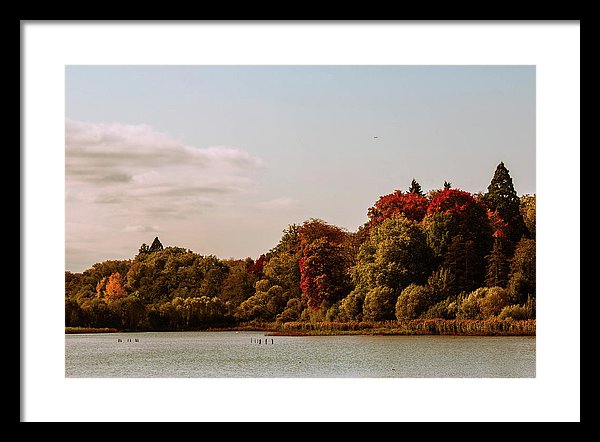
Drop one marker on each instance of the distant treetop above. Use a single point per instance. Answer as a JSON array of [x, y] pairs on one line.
[[156, 245], [415, 187]]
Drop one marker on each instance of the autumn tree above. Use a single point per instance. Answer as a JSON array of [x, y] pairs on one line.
[[459, 231], [114, 287], [323, 272], [413, 205], [256, 268], [314, 229], [502, 198]]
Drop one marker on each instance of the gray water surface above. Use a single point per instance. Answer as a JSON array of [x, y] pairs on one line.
[[240, 355]]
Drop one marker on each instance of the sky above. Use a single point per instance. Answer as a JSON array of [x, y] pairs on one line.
[[221, 159]]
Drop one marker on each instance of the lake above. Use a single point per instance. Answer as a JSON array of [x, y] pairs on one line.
[[254, 355]]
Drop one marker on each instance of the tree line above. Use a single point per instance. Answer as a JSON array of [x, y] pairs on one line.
[[448, 254]]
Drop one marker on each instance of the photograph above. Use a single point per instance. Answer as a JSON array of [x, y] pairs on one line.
[[300, 221]]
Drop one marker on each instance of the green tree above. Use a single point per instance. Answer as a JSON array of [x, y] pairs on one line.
[[495, 299], [483, 303], [497, 265], [453, 212], [521, 281], [379, 304], [292, 312], [465, 265], [415, 187], [156, 246], [351, 307], [283, 269], [502, 198], [238, 285], [395, 255], [263, 305], [73, 313], [527, 207], [413, 302]]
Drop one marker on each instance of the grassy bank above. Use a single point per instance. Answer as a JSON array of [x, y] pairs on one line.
[[454, 327], [450, 327], [73, 330]]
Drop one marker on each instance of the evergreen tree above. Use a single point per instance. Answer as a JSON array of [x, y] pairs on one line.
[[497, 266], [156, 246], [466, 269], [415, 187], [502, 198]]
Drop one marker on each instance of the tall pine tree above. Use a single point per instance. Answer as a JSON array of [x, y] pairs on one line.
[[415, 187], [502, 198], [156, 246]]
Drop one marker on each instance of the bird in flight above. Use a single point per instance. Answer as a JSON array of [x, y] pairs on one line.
[[375, 137]]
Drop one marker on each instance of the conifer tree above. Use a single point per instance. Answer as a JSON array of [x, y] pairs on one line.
[[502, 198], [156, 246], [415, 187], [498, 265]]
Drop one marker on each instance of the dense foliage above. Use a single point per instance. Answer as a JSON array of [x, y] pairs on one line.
[[447, 254]]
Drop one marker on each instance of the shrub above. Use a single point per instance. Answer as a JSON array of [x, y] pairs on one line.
[[483, 303], [351, 307], [495, 299], [445, 309], [413, 301], [379, 304]]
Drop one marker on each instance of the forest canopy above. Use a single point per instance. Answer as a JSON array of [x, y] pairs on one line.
[[446, 254]]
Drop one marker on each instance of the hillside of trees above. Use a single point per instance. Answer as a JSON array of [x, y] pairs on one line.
[[446, 254]]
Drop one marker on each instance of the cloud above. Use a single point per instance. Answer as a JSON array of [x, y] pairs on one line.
[[115, 152], [139, 168], [141, 228], [281, 203], [123, 181]]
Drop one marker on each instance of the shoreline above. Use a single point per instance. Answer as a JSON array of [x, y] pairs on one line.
[[417, 327]]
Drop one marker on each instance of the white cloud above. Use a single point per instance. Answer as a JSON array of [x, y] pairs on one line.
[[281, 203], [141, 228], [123, 181], [114, 163], [116, 153]]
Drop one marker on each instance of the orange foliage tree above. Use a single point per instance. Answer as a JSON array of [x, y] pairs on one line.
[[114, 287]]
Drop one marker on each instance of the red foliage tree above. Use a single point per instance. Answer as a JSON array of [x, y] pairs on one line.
[[322, 272], [412, 205], [314, 229], [256, 268], [499, 226], [470, 214]]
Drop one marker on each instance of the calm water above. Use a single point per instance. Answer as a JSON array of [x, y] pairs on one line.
[[238, 354]]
